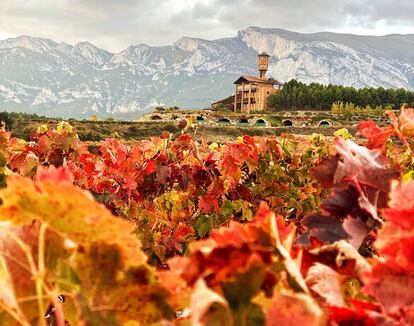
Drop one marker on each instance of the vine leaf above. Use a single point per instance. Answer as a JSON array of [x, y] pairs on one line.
[[208, 306], [289, 309], [393, 285], [326, 282], [401, 205], [377, 137], [392, 279], [406, 119], [126, 291], [67, 210], [367, 166]]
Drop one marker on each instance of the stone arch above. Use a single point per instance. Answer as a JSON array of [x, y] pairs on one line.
[[324, 123], [200, 118], [175, 117], [224, 121], [287, 123], [261, 122], [243, 121], [156, 117]]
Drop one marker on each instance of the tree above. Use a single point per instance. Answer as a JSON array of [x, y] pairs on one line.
[[317, 96], [6, 119]]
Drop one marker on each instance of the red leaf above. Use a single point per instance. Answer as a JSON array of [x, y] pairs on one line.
[[343, 202], [182, 124], [392, 285], [208, 204], [324, 228], [401, 205], [377, 137], [326, 282], [325, 171], [406, 119], [183, 230], [163, 173], [165, 135], [44, 144], [367, 166], [56, 175], [344, 316], [179, 236], [294, 309], [151, 167]]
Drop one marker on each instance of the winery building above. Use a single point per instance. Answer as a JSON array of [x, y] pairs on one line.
[[251, 92]]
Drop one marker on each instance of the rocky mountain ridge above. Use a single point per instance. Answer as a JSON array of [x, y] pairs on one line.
[[38, 75]]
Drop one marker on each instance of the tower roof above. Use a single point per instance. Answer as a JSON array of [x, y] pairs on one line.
[[263, 54]]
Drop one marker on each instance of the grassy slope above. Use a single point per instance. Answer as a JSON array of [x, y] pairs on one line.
[[96, 131]]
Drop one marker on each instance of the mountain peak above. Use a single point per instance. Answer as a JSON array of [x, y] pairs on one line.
[[35, 44], [85, 45], [133, 54], [91, 53], [188, 43]]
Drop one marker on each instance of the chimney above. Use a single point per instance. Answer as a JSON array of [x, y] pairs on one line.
[[263, 64]]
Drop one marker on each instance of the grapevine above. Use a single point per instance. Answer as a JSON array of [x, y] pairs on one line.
[[286, 230]]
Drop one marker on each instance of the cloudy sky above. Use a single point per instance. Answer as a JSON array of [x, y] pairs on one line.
[[115, 24]]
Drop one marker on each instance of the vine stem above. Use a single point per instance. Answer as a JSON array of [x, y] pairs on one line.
[[41, 272], [60, 320], [59, 316]]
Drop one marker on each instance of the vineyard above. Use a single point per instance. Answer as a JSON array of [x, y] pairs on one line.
[[288, 230]]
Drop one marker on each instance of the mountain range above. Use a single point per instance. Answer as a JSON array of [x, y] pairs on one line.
[[45, 77]]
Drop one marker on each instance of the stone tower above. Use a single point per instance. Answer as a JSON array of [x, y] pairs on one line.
[[263, 64]]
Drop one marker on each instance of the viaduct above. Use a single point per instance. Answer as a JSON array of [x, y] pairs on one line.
[[253, 120]]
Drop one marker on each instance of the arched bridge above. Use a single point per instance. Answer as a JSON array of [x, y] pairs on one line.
[[253, 120]]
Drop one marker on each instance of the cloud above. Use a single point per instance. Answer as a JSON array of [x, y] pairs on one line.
[[115, 24]]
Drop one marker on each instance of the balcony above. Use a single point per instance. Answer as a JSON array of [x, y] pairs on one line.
[[246, 90], [246, 101], [245, 98]]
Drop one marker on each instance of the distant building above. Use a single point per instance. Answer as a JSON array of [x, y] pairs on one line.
[[251, 93]]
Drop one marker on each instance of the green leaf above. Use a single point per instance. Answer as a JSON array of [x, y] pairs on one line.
[[247, 214], [203, 225]]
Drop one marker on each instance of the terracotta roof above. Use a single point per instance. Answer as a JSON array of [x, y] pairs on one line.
[[275, 82], [252, 79], [230, 98]]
